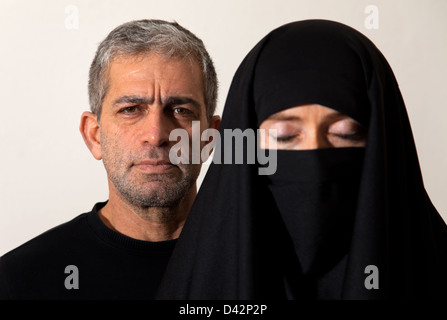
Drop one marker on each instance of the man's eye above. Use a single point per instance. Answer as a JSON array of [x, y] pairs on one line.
[[128, 110], [182, 111]]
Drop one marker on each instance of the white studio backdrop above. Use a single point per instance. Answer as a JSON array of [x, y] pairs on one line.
[[47, 174]]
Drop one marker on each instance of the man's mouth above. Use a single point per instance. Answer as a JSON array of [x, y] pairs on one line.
[[154, 166]]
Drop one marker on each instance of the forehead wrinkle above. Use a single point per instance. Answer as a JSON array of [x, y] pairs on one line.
[[180, 100], [134, 99]]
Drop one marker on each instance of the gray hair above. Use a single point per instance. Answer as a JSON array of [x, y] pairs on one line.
[[140, 37]]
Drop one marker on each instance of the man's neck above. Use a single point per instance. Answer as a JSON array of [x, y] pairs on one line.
[[148, 224]]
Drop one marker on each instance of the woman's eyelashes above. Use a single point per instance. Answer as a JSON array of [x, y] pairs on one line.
[[285, 134], [312, 126], [344, 133], [348, 130], [349, 136], [284, 139]]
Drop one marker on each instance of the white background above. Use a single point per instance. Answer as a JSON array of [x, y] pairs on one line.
[[47, 174]]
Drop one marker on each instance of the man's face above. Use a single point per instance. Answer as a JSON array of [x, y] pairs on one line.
[[147, 98]]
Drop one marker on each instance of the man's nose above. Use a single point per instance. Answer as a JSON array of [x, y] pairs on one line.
[[156, 128]]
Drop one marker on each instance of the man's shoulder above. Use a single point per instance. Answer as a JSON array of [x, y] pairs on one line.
[[37, 259], [54, 238], [58, 240], [47, 241]]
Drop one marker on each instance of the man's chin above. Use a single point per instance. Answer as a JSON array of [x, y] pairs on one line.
[[157, 193], [154, 201]]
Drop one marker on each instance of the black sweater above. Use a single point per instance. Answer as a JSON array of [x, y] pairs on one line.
[[84, 259]]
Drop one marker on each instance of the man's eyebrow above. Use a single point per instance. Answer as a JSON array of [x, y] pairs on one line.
[[181, 101], [133, 100], [174, 100]]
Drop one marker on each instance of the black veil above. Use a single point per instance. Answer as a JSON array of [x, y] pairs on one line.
[[235, 245]]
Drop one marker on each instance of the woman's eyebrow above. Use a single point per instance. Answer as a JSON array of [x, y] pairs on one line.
[[291, 117], [284, 117], [336, 115]]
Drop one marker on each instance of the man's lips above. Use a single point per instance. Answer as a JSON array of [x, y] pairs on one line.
[[154, 166]]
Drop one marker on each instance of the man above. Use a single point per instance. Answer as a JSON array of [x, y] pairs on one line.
[[148, 78]]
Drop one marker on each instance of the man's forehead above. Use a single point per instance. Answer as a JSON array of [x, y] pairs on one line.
[[179, 76], [149, 61]]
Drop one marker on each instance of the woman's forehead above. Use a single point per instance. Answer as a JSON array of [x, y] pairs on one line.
[[305, 109]]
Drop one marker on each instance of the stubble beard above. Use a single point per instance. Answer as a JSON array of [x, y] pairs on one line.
[[168, 193], [147, 190]]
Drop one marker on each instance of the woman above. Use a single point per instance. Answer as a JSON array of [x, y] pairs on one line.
[[337, 220]]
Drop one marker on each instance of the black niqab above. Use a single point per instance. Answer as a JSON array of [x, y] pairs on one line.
[[244, 239]]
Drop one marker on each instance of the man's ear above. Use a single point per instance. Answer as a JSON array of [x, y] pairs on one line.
[[208, 146], [89, 128], [215, 122]]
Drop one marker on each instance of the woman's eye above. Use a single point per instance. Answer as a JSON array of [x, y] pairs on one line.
[[283, 131], [348, 129], [283, 139], [349, 136]]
